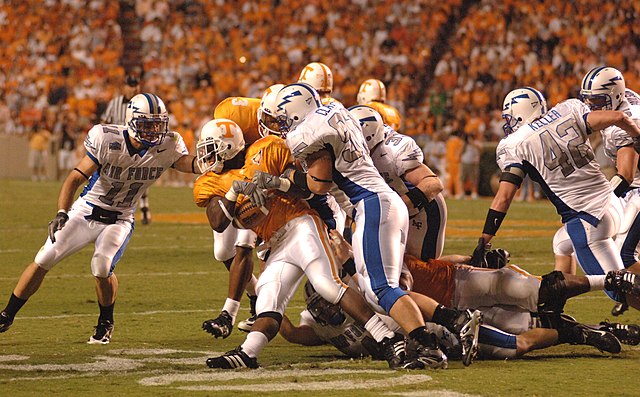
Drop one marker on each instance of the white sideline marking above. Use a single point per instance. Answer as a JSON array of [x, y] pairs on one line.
[[342, 385], [13, 357], [431, 393], [216, 376]]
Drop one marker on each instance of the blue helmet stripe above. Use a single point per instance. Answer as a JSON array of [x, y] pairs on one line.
[[540, 98], [153, 104], [593, 75]]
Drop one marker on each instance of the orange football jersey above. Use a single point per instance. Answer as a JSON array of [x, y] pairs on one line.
[[244, 111], [212, 184], [390, 115], [435, 278], [271, 154]]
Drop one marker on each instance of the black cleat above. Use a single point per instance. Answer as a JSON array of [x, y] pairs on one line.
[[102, 336], [619, 308], [220, 326], [233, 359], [629, 334], [467, 326], [5, 322], [420, 356], [622, 281], [393, 350], [602, 340]]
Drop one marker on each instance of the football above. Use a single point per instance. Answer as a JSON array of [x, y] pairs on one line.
[[247, 215]]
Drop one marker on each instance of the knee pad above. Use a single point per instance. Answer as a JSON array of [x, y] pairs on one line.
[[388, 296], [552, 294], [101, 266], [273, 315]]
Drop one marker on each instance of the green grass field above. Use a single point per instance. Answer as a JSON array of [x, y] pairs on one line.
[[169, 284]]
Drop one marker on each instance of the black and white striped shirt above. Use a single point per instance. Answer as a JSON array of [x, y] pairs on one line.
[[116, 111]]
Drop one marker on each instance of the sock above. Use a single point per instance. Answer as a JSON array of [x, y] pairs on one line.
[[446, 317], [106, 312], [378, 329], [14, 305], [500, 344], [232, 307], [596, 283], [252, 302], [255, 342], [569, 335], [424, 337]]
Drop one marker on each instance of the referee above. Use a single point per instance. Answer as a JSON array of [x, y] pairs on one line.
[[115, 114], [116, 108]]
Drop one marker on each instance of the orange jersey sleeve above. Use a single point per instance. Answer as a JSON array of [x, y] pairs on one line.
[[390, 115], [212, 184], [244, 112], [435, 278], [271, 154]]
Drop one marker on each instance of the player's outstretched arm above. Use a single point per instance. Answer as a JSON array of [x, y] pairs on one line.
[[319, 178], [187, 164], [601, 119], [427, 186], [303, 335], [76, 178]]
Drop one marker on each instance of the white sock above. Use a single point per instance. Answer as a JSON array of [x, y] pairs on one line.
[[232, 308], [596, 282], [378, 329], [255, 342]]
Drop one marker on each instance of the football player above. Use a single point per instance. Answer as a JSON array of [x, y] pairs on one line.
[[233, 246], [121, 162], [373, 93], [298, 246], [319, 76], [329, 141], [603, 88], [552, 147], [400, 162]]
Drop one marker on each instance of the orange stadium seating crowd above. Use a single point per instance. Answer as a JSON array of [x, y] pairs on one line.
[[446, 64]]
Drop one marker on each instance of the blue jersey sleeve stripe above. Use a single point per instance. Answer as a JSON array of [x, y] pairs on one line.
[[92, 157]]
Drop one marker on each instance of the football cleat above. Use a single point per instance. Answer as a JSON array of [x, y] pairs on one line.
[[467, 325], [629, 334], [220, 326], [393, 350], [245, 325], [233, 359], [102, 336], [420, 356], [622, 281], [5, 322], [600, 339], [619, 308]]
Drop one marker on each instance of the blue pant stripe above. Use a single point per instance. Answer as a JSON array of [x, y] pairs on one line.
[[118, 254]]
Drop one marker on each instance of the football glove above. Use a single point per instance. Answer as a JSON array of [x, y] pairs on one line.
[[479, 258], [249, 189], [265, 180], [56, 224]]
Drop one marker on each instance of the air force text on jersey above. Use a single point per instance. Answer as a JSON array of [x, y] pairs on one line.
[[132, 173]]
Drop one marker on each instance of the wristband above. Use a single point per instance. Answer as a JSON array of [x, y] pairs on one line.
[[285, 184], [620, 185], [231, 196], [417, 198], [493, 221], [350, 266]]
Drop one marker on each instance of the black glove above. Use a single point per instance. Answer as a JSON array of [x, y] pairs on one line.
[[56, 224], [478, 258], [249, 189]]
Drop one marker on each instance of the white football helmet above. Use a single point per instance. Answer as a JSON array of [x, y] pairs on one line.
[[372, 90], [147, 119], [293, 103], [267, 122], [220, 140], [371, 122], [602, 88], [521, 106], [319, 76]]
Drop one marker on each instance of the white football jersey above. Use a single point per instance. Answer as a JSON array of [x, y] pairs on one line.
[[333, 128], [394, 157], [124, 175], [555, 151], [614, 138]]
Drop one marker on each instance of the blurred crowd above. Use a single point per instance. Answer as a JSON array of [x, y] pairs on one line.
[[62, 58]]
